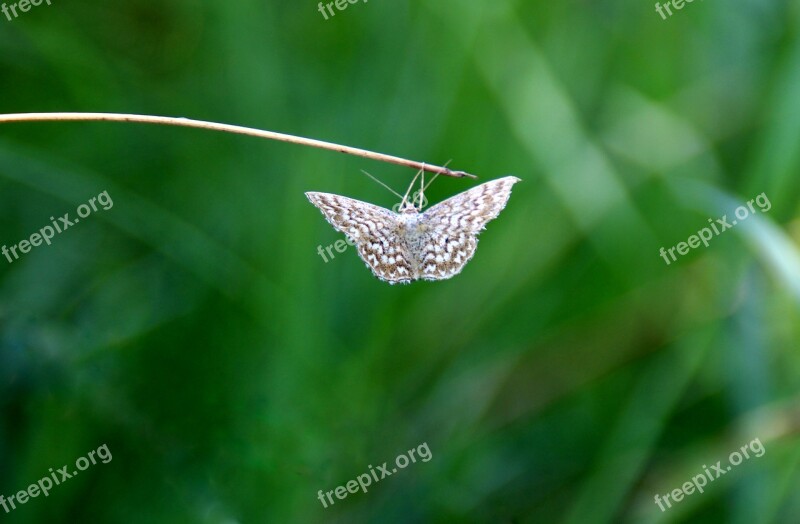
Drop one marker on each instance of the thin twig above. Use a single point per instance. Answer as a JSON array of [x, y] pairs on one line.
[[200, 124]]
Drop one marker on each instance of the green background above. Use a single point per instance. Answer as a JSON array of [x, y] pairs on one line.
[[566, 375]]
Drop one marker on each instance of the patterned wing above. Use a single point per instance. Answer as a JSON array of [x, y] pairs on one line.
[[374, 232], [452, 228]]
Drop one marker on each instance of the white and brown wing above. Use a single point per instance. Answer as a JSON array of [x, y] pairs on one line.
[[452, 227], [373, 230]]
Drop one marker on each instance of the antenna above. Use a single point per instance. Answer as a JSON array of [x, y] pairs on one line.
[[412, 185], [381, 183], [434, 178], [422, 187]]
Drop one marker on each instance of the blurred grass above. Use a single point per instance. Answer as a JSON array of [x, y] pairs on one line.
[[567, 375]]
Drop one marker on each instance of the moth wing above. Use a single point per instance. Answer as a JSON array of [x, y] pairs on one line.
[[454, 225], [373, 230]]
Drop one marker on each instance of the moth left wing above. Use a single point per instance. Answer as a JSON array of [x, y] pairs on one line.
[[373, 230]]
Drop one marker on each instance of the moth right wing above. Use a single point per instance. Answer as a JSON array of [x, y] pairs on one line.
[[373, 230], [454, 225], [471, 210]]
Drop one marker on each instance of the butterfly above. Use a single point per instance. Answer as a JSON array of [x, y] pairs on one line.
[[410, 245]]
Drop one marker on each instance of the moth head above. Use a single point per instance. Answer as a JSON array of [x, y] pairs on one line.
[[409, 209]]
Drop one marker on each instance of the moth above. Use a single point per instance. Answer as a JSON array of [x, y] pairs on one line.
[[411, 244]]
